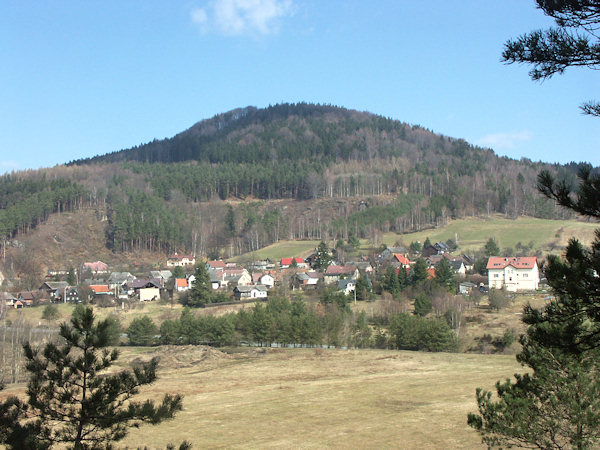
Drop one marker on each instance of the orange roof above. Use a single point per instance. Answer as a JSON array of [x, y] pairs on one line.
[[98, 288], [522, 262], [181, 282], [401, 258], [430, 273]]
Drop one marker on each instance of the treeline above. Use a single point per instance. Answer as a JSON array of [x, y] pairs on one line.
[[201, 182], [294, 323], [25, 202]]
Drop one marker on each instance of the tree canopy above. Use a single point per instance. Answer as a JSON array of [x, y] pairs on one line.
[[71, 398], [574, 42], [557, 403]]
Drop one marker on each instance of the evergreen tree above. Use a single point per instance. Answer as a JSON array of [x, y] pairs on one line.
[[557, 403], [444, 275], [491, 248], [390, 281], [142, 331], [201, 292], [422, 305], [322, 257], [74, 400], [178, 272], [71, 277], [362, 288], [573, 43], [419, 272]]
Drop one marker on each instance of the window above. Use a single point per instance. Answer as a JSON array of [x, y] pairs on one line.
[[495, 275], [525, 275]]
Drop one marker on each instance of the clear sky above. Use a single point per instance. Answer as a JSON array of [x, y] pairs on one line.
[[81, 78]]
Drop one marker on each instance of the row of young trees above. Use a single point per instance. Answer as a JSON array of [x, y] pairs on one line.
[[295, 323]]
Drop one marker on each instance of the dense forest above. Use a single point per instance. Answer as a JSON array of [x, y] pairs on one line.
[[247, 178]]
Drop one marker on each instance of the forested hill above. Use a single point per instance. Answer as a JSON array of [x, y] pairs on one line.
[[246, 178], [282, 132]]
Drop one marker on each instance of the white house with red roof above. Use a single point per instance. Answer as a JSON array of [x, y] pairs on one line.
[[181, 285], [402, 260], [96, 267], [514, 273], [287, 262], [175, 260]]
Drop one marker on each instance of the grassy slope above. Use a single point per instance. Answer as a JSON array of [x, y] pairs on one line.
[[547, 235], [474, 232], [303, 398], [281, 249]]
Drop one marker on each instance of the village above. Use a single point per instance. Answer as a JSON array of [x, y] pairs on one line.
[[237, 282]]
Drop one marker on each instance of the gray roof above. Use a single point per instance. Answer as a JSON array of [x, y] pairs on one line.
[[120, 277], [342, 284], [164, 274], [214, 276], [57, 285], [456, 264], [258, 287]]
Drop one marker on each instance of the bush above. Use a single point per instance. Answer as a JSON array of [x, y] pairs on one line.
[[418, 333], [142, 331], [498, 299]]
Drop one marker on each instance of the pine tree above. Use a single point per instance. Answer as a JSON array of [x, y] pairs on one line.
[[201, 292], [322, 257], [491, 248], [418, 272], [422, 305], [556, 404], [74, 400], [444, 275], [574, 42], [142, 331]]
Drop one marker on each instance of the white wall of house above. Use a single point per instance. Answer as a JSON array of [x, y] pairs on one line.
[[148, 294], [514, 279]]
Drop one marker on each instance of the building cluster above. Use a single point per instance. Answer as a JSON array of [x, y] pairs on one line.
[[255, 280]]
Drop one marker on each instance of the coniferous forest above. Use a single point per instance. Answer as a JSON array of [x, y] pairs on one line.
[[247, 178]]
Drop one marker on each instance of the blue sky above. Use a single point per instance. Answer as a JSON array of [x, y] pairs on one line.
[[84, 78]]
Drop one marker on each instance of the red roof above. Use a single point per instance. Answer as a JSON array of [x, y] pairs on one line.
[[216, 264], [288, 261], [521, 262], [430, 273], [181, 282], [402, 259], [99, 288]]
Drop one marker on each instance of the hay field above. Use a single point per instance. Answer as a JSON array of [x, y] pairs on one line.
[[473, 233], [307, 398]]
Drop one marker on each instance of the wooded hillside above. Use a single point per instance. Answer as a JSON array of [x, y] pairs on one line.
[[244, 179]]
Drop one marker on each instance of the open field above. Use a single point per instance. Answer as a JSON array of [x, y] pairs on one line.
[[307, 398], [319, 398], [281, 249], [547, 235]]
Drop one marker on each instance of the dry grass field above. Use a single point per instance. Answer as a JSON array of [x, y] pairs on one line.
[[473, 233], [307, 398]]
